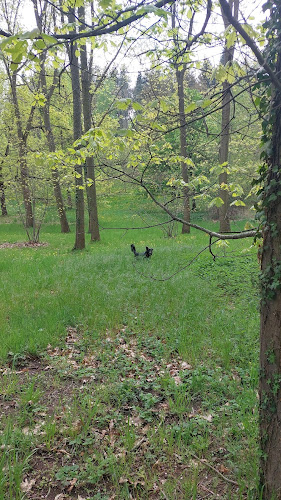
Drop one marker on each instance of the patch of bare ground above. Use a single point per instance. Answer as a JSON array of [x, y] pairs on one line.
[[101, 417], [23, 244]]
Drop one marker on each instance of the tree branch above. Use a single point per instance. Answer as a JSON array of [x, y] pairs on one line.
[[109, 27], [250, 42], [222, 236]]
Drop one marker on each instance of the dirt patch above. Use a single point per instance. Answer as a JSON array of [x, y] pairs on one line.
[[22, 244]]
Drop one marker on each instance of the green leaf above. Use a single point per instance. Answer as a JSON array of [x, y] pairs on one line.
[[206, 103], [220, 74], [123, 104], [7, 41], [39, 44], [154, 10], [188, 161], [49, 38], [191, 107], [105, 4], [164, 106], [231, 39], [137, 106], [14, 66], [216, 202], [238, 203]]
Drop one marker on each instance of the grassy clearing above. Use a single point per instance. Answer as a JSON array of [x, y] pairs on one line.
[[153, 377]]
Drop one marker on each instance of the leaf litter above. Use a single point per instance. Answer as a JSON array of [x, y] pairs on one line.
[[106, 423]]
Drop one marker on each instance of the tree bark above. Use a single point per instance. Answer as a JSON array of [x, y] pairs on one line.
[[52, 148], [77, 132], [47, 123], [55, 175], [22, 154], [183, 149], [227, 60], [270, 334], [69, 200], [2, 186], [90, 168], [223, 158], [182, 119]]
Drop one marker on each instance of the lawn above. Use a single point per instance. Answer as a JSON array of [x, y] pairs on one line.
[[127, 378]]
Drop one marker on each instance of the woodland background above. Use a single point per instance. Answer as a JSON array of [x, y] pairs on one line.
[[128, 377]]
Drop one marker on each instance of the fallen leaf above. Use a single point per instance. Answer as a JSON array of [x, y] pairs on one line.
[[27, 485], [223, 469], [185, 366], [209, 417], [72, 484], [123, 480]]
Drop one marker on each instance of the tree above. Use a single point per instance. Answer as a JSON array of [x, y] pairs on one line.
[[23, 129], [180, 65], [140, 84], [2, 185], [270, 212], [270, 175], [48, 93], [123, 93], [227, 59], [86, 72], [22, 135], [77, 132]]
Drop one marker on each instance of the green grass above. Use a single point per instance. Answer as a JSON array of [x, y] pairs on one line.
[[205, 315]]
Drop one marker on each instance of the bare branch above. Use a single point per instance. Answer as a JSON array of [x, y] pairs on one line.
[[222, 236]]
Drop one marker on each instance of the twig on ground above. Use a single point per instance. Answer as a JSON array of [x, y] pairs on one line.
[[139, 443], [204, 462]]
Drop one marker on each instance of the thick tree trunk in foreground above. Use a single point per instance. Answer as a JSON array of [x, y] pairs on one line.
[[77, 132], [183, 149], [90, 168], [270, 352]]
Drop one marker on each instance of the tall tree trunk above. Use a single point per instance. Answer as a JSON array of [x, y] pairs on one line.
[[223, 158], [69, 199], [227, 59], [90, 168], [183, 149], [22, 154], [52, 148], [39, 15], [2, 186], [55, 175], [177, 61], [270, 335], [77, 132]]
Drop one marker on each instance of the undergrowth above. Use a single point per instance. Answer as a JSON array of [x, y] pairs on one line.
[[156, 379]]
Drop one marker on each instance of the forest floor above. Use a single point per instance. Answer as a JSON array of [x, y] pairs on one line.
[[114, 387], [113, 419]]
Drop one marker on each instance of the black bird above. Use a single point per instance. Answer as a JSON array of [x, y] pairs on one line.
[[146, 254]]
